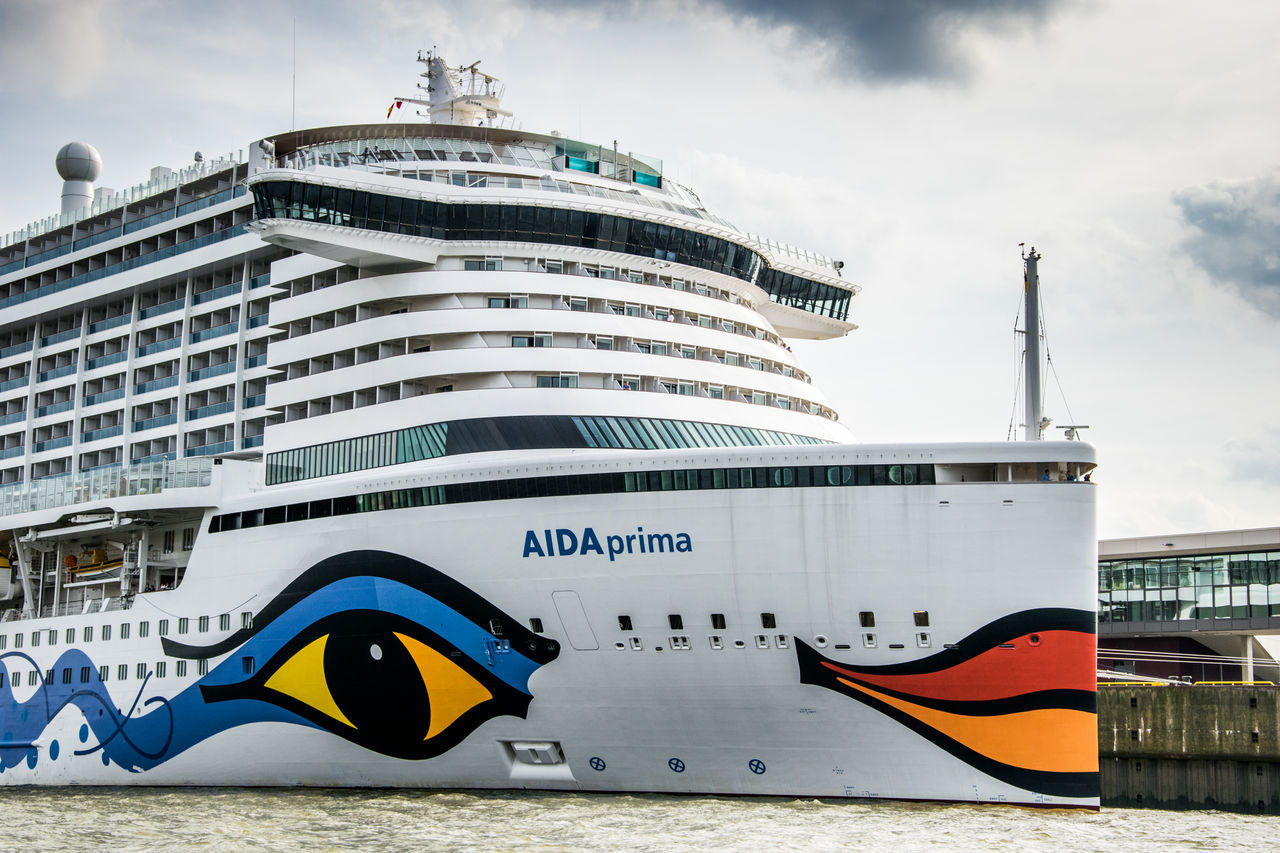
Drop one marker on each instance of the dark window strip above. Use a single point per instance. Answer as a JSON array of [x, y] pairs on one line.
[[476, 435], [664, 480], [537, 224]]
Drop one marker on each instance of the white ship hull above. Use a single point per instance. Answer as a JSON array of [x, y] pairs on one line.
[[617, 710]]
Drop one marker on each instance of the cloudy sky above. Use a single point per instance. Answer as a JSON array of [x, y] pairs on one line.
[[1134, 144]]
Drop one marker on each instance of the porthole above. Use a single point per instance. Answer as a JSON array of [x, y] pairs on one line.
[[821, 641]]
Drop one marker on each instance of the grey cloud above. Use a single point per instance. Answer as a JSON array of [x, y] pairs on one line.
[[879, 41], [1236, 235]]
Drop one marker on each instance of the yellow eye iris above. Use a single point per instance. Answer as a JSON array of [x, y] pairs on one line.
[[384, 680], [452, 691], [302, 677]]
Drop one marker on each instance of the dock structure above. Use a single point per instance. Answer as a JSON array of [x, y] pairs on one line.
[[1204, 746]]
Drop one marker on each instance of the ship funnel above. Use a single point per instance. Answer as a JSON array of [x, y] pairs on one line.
[[79, 165]]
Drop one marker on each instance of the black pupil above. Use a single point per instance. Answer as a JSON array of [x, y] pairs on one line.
[[381, 694]]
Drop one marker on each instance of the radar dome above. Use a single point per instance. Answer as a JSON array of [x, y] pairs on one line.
[[79, 161]]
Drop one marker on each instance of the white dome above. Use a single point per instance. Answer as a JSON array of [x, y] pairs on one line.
[[79, 161]]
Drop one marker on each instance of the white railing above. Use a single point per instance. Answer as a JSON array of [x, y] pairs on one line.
[[147, 478]]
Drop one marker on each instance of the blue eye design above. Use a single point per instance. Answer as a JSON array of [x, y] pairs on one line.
[[373, 647]]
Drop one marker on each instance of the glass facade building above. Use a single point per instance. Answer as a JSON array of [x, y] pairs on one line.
[[1235, 585]]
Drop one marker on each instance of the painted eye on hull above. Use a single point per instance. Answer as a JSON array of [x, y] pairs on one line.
[[381, 681]]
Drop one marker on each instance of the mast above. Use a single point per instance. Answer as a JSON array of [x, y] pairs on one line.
[[1031, 366]]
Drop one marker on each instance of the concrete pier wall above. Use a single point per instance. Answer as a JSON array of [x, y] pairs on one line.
[[1200, 747]]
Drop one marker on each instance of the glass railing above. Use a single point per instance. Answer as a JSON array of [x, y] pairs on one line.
[[12, 418], [104, 484], [209, 411], [157, 421], [51, 443], [14, 349], [10, 384], [162, 308], [155, 384], [54, 408], [148, 221], [251, 441], [103, 397], [59, 337], [10, 452], [217, 293], [109, 323], [212, 449], [132, 263], [86, 242], [260, 320], [215, 332], [104, 360], [260, 280], [12, 266], [56, 373], [256, 360], [210, 201], [212, 370], [104, 432], [255, 401], [159, 346]]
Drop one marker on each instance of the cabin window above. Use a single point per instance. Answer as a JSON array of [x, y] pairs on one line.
[[624, 623], [160, 668], [124, 631], [180, 669], [122, 672], [921, 618], [144, 629], [224, 622], [676, 621], [867, 618], [106, 633], [768, 620], [163, 628], [717, 621], [183, 624]]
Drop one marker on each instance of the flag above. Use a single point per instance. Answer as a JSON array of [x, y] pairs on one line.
[[394, 106]]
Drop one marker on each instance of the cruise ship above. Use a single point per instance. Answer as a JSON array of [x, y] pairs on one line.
[[439, 453]]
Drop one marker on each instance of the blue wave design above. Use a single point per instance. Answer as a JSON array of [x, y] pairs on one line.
[[172, 725]]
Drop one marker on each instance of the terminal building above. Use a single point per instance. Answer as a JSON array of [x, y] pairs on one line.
[[1193, 607]]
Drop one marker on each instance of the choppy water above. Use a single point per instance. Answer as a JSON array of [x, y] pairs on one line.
[[308, 819]]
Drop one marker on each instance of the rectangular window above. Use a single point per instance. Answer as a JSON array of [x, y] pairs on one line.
[[202, 667], [203, 623], [921, 618], [124, 631], [103, 672], [160, 668], [246, 619], [768, 620], [66, 675], [168, 541], [717, 621], [53, 636], [144, 629], [246, 663], [577, 305], [188, 538], [88, 633], [4, 641], [35, 639], [122, 672], [867, 619], [183, 624], [676, 621], [86, 672], [71, 635], [106, 633], [142, 670], [224, 622], [162, 629], [624, 623], [180, 669]]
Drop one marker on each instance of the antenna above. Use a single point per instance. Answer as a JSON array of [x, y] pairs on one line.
[[293, 115]]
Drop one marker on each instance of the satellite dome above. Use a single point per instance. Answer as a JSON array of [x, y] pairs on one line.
[[79, 161]]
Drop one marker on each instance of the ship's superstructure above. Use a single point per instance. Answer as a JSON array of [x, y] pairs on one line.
[[452, 454]]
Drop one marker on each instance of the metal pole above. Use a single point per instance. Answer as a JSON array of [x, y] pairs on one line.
[[1031, 368]]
